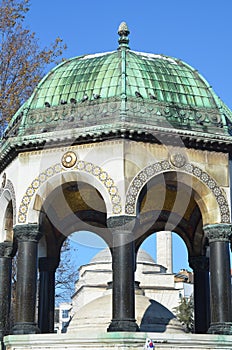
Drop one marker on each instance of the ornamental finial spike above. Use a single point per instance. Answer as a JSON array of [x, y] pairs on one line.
[[123, 32]]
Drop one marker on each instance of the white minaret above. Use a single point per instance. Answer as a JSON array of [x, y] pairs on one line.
[[164, 249]]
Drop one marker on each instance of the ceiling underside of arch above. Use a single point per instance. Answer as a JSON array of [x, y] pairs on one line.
[[165, 204]]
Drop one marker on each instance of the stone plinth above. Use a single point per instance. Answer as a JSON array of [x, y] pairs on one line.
[[118, 341]]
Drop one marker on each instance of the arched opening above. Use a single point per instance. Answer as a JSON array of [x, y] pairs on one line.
[[169, 203], [73, 207], [178, 249], [8, 222]]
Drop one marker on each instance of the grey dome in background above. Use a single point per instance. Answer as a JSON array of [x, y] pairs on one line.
[[104, 256]]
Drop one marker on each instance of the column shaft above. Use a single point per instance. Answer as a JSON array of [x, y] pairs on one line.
[[27, 236], [5, 287], [47, 268], [220, 278], [220, 282], [123, 278], [123, 297], [200, 266]]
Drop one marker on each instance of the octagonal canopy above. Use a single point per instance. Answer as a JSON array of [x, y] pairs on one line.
[[122, 92]]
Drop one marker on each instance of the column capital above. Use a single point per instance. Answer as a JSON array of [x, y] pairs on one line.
[[48, 264], [218, 232], [122, 222], [6, 249], [199, 263], [27, 233]]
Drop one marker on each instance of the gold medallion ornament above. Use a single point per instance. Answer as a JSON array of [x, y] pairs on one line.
[[178, 160], [69, 159]]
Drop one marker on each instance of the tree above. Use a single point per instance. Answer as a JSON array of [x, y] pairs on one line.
[[22, 61], [66, 275], [185, 313]]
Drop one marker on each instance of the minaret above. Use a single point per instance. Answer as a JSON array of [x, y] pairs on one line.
[[164, 249]]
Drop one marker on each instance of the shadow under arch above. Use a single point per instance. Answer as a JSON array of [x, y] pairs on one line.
[[167, 203], [71, 207]]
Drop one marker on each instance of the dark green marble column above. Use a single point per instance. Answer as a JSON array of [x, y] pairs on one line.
[[220, 278], [200, 266], [27, 237], [5, 286], [123, 265], [47, 269]]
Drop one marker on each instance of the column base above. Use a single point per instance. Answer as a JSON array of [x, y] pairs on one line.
[[220, 328], [128, 325], [25, 328]]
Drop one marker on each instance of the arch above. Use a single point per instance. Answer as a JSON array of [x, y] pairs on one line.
[[99, 174], [204, 180], [8, 210]]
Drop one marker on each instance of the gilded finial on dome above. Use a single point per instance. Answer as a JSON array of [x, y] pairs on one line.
[[123, 32]]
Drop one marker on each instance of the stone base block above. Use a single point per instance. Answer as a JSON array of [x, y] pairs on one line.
[[117, 341], [25, 328], [220, 328], [123, 326]]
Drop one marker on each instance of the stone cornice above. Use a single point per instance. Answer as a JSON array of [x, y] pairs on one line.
[[124, 130]]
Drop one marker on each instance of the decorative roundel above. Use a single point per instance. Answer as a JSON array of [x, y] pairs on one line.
[[69, 159], [178, 160]]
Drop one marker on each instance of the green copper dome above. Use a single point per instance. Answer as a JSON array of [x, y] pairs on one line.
[[165, 78], [124, 74], [121, 93]]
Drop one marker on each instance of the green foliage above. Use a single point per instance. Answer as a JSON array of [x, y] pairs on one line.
[[185, 313], [22, 61]]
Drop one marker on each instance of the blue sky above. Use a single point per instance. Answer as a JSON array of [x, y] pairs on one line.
[[198, 32]]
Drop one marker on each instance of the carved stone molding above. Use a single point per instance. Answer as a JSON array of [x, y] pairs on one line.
[[122, 222], [6, 249], [218, 232], [199, 263], [27, 233], [83, 166], [161, 167]]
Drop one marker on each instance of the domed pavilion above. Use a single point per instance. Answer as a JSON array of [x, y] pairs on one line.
[[122, 144]]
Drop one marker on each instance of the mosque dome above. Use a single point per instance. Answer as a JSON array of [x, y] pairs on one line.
[[122, 93], [104, 256], [151, 316]]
